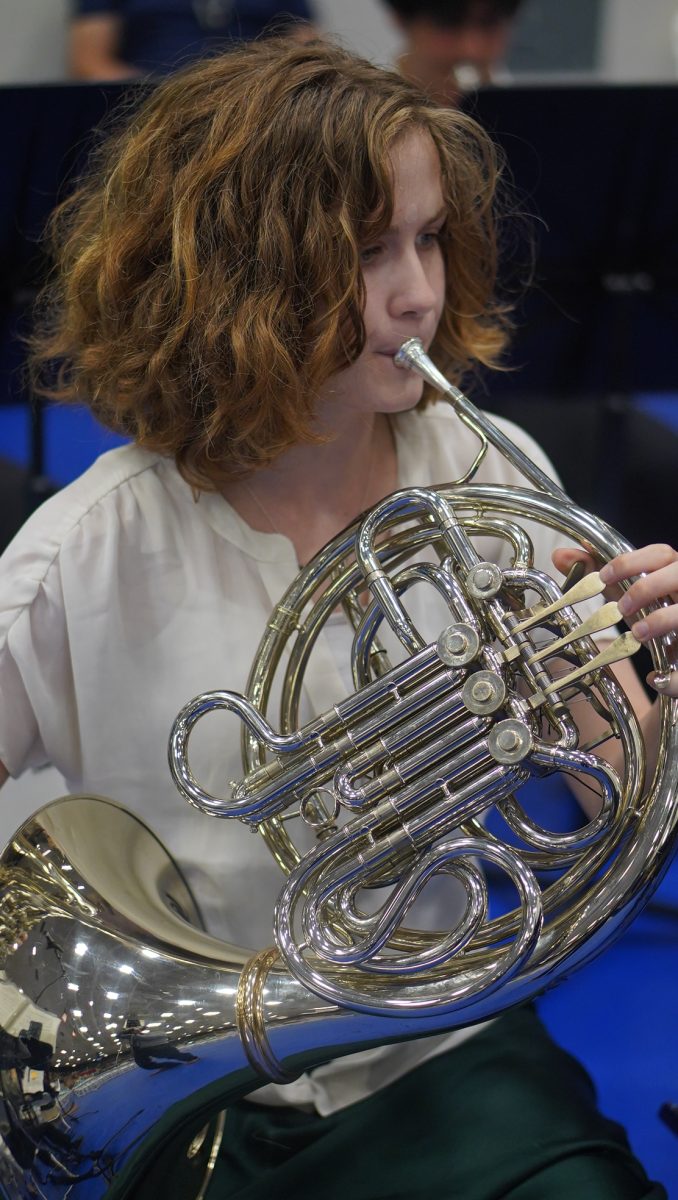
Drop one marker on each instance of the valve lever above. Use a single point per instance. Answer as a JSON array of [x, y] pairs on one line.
[[622, 647], [588, 587], [602, 618]]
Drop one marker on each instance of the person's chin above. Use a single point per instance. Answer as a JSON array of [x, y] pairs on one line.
[[406, 397]]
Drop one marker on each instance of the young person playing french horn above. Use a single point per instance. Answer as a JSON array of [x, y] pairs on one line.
[[234, 279]]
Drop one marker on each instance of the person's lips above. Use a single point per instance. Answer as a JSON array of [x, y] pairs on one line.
[[390, 351]]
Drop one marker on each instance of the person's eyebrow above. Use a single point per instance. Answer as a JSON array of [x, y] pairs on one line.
[[440, 215], [442, 212]]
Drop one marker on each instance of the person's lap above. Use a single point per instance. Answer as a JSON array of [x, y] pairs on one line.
[[506, 1115]]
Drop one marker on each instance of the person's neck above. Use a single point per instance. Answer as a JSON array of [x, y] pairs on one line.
[[311, 492]]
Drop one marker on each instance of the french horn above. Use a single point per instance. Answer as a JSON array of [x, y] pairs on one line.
[[125, 1027]]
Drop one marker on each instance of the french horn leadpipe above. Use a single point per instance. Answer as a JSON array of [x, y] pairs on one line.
[[126, 1029]]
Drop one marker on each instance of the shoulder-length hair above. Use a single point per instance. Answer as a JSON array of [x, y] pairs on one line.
[[207, 277]]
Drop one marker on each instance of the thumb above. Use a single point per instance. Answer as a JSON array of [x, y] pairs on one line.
[[574, 562], [564, 558]]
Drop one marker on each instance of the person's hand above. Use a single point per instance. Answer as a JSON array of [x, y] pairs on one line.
[[657, 567]]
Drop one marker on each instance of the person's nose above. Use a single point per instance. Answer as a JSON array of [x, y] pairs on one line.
[[413, 293]]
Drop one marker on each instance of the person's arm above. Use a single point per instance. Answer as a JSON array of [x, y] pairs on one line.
[[93, 48]]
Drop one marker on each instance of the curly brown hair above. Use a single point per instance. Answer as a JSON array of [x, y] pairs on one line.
[[207, 275]]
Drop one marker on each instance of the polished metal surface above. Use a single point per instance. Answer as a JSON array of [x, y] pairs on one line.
[[119, 1021], [125, 1028], [407, 770]]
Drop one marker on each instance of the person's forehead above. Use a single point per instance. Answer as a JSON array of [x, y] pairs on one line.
[[417, 173], [414, 145]]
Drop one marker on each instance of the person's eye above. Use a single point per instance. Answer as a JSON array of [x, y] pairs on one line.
[[432, 238], [368, 254]]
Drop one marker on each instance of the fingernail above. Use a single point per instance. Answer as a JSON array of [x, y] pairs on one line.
[[640, 630], [626, 604], [606, 573], [661, 680]]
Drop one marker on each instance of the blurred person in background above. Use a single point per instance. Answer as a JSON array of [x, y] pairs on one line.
[[452, 44], [118, 39]]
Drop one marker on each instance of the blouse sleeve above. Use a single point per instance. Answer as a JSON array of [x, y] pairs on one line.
[[20, 745], [36, 693]]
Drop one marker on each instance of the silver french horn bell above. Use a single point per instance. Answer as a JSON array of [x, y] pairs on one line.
[[413, 781]]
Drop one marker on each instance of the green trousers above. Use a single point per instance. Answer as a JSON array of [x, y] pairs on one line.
[[508, 1114]]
